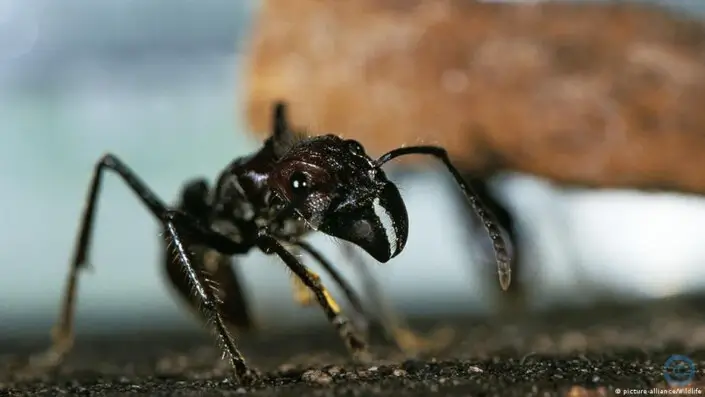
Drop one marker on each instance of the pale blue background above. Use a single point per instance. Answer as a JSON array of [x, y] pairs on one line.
[[155, 82]]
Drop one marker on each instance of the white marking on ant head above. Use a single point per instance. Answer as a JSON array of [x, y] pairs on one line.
[[388, 225]]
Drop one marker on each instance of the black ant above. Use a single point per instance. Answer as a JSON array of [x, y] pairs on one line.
[[270, 200]]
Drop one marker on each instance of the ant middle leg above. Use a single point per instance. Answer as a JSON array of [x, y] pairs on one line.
[[221, 270], [356, 344], [62, 333]]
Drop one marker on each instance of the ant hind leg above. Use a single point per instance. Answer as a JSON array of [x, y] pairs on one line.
[[62, 333]]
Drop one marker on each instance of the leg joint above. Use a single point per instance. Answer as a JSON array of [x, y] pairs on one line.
[[108, 160]]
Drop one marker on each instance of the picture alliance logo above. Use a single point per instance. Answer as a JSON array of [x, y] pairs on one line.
[[679, 371]]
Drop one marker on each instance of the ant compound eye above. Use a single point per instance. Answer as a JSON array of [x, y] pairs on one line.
[[299, 182], [355, 147]]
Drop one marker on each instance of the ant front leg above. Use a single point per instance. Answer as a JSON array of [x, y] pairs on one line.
[[347, 289], [394, 326], [355, 344], [209, 303], [62, 333], [303, 296]]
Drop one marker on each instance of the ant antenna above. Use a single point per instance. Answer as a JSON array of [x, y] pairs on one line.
[[498, 243], [281, 126]]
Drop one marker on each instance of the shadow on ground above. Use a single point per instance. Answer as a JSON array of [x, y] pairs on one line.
[[576, 352]]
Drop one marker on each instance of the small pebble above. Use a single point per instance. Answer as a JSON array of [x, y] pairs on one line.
[[363, 374], [474, 369], [399, 372], [334, 370], [316, 376]]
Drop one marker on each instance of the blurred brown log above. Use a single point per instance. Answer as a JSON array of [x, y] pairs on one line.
[[609, 95]]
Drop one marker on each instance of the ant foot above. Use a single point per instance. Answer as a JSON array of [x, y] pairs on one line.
[[362, 356], [54, 356], [37, 365], [46, 361], [412, 344], [50, 359], [356, 344], [250, 377]]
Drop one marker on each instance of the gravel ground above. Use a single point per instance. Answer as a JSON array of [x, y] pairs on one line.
[[575, 352]]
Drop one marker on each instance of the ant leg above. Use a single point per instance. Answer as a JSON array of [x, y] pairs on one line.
[[355, 344], [209, 303], [303, 296], [220, 269], [488, 220], [62, 333], [347, 289], [394, 325]]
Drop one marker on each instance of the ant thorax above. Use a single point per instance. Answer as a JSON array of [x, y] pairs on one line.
[[241, 206]]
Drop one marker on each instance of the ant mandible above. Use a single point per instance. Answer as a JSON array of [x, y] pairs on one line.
[[270, 200]]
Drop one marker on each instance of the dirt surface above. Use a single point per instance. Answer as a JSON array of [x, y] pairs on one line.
[[600, 349]]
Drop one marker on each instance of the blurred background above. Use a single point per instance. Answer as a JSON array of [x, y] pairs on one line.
[[158, 84]]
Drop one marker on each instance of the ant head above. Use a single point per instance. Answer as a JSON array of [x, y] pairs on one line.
[[339, 190]]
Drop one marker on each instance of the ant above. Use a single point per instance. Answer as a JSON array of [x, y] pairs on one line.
[[270, 200]]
